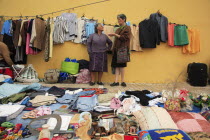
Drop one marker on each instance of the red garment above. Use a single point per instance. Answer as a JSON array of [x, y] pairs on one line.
[[131, 137], [98, 90], [88, 96], [171, 34], [6, 71]]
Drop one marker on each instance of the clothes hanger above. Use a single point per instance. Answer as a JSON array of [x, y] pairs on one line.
[[83, 15], [159, 13]]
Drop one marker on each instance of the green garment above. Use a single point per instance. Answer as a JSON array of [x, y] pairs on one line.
[[180, 35], [13, 98]]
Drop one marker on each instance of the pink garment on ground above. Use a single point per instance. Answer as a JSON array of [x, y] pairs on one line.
[[29, 50], [171, 34], [83, 77]]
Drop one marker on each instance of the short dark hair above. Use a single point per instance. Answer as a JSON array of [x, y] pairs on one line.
[[96, 30], [122, 16]]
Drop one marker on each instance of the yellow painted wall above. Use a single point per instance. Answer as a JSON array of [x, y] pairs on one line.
[[151, 66]]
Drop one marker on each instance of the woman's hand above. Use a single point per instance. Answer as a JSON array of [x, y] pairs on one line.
[[113, 34]]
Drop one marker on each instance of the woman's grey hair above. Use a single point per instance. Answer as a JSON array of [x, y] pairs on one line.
[[96, 30], [122, 16]]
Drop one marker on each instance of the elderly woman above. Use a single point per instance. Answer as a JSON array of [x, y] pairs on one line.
[[97, 48], [122, 40]]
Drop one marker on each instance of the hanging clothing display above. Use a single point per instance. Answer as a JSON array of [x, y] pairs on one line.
[[38, 33], [19, 43], [29, 50], [163, 25], [134, 39], [1, 26], [81, 35], [180, 35], [90, 27], [60, 30], [51, 36], [109, 30], [171, 34], [16, 32], [47, 41], [194, 42], [149, 33], [71, 25], [6, 29]]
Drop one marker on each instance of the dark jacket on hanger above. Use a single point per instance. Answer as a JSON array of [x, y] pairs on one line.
[[163, 25], [149, 33], [16, 31]]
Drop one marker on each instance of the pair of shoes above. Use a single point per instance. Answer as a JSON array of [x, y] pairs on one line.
[[117, 84], [92, 83], [100, 83], [30, 115], [114, 84], [123, 84]]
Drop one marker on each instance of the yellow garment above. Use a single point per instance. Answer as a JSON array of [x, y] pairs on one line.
[[51, 37], [114, 136], [194, 42], [109, 30], [134, 39]]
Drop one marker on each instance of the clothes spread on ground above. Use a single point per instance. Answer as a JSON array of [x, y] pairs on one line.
[[144, 100], [43, 100], [149, 33], [10, 89], [10, 111], [163, 25]]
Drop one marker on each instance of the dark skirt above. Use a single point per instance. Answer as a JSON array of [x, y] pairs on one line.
[[98, 62], [114, 62]]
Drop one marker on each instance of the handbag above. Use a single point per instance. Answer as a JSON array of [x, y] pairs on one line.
[[123, 55], [70, 67], [51, 76], [29, 75]]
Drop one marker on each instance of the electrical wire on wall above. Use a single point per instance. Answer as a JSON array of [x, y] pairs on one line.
[[59, 10]]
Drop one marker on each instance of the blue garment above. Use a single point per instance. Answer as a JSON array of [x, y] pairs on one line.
[[9, 89], [128, 23], [90, 28], [163, 134], [87, 103], [71, 99], [6, 29], [150, 95]]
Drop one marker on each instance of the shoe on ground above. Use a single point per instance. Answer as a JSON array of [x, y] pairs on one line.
[[123, 84], [92, 83], [100, 83], [114, 84]]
